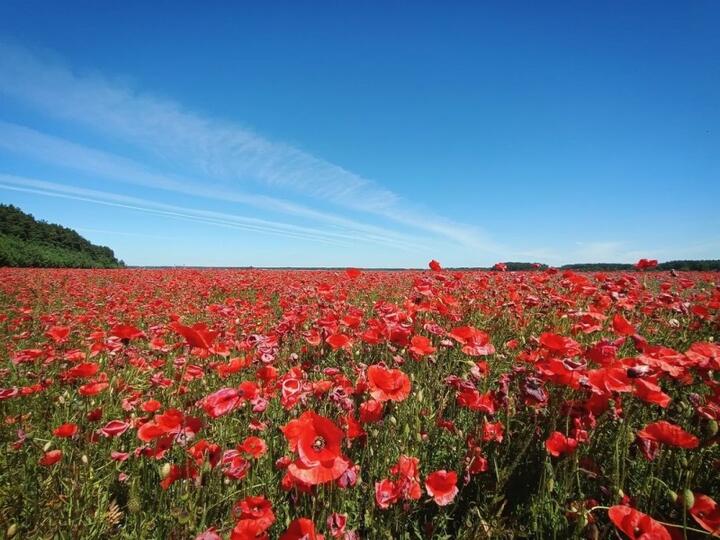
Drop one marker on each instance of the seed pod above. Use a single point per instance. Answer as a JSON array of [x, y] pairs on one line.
[[673, 496], [134, 505]]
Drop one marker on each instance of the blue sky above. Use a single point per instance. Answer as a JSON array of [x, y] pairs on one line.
[[366, 134]]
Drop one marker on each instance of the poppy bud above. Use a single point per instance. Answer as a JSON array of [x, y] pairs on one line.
[[84, 459], [11, 530], [710, 429], [688, 499], [550, 485], [392, 420], [47, 446], [164, 470], [673, 496]]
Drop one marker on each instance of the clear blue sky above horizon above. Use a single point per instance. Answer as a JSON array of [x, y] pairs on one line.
[[366, 134]]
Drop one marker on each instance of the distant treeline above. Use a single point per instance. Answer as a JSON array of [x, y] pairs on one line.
[[702, 266], [25, 241]]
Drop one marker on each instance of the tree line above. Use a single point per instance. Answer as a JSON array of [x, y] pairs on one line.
[[25, 241]]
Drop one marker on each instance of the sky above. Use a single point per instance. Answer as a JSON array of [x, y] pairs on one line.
[[369, 134]]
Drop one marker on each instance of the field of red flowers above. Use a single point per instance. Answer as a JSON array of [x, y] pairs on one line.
[[254, 404]]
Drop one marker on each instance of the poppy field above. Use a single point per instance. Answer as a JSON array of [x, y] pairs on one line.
[[298, 404]]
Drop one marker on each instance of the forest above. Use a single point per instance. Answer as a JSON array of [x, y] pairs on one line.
[[28, 242]]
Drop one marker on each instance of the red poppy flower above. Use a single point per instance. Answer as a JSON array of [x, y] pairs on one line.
[[317, 441], [301, 529], [651, 393], [435, 266], [646, 264], [564, 346], [558, 444], [622, 326], [338, 341], [114, 428], [51, 458], [197, 336], [353, 273], [221, 402], [126, 332], [336, 523], [388, 384], [179, 472], [92, 389], [81, 371], [58, 334], [493, 431], [66, 430], [442, 486], [407, 471], [474, 400], [386, 493], [670, 434], [371, 411], [151, 406], [171, 422], [258, 509], [253, 446], [707, 513], [249, 529], [637, 525], [420, 346], [475, 342]]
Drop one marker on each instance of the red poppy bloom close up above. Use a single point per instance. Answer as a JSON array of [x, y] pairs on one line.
[[442, 486], [388, 384], [637, 525]]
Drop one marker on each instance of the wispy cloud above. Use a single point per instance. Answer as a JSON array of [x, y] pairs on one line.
[[53, 189], [100, 164], [224, 155]]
